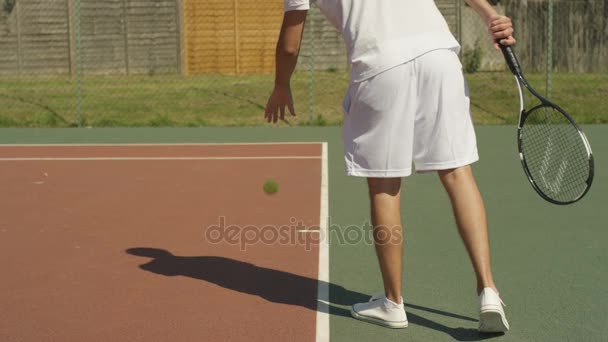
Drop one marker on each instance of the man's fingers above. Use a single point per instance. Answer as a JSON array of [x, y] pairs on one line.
[[500, 27], [502, 34], [291, 108], [506, 22], [267, 109], [275, 116], [499, 19], [508, 41], [270, 112], [279, 102], [270, 108]]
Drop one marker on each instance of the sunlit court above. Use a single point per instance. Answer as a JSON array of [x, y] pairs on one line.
[[311, 171]]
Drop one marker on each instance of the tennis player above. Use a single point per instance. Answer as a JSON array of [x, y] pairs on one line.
[[407, 103]]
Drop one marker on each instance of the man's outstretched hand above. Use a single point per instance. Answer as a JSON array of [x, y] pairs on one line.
[[278, 100]]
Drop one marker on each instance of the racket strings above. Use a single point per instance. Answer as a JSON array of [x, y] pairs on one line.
[[555, 154]]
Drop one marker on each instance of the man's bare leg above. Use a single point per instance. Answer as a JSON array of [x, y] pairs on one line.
[[385, 200], [470, 215]]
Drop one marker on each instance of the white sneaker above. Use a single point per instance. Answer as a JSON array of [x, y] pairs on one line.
[[377, 296], [492, 316], [382, 311]]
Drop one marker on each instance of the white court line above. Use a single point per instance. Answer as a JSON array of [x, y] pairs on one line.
[[322, 334], [162, 144], [154, 158]]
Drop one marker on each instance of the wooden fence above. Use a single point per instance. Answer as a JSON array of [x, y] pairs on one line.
[[579, 37], [115, 36], [231, 36], [239, 36]]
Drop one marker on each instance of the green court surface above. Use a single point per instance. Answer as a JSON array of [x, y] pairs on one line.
[[550, 262]]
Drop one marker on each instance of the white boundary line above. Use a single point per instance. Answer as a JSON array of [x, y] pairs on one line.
[[322, 334], [167, 144], [154, 158]]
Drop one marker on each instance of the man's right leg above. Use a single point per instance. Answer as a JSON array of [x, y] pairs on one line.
[[470, 215]]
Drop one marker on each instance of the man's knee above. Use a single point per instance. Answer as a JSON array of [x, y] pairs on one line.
[[390, 186], [456, 174]]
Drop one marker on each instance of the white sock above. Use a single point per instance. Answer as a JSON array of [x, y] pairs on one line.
[[398, 305]]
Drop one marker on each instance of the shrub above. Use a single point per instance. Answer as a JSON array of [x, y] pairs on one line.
[[472, 58]]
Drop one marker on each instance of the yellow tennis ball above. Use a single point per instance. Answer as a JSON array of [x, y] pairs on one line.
[[271, 186]]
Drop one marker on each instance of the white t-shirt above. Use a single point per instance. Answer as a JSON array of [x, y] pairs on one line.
[[381, 34]]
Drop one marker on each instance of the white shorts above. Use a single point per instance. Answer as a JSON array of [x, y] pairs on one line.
[[415, 112]]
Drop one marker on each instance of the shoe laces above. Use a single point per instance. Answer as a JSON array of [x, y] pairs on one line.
[[500, 299]]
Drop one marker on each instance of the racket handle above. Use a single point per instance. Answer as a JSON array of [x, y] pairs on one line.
[[511, 59]]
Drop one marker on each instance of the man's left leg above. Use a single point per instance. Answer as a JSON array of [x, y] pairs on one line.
[[385, 203], [385, 206]]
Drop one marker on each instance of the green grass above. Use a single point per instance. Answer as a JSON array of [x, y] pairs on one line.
[[218, 100], [494, 97]]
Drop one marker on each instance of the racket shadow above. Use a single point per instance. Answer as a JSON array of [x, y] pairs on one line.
[[279, 286]]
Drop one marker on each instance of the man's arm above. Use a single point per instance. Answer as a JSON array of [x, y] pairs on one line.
[[288, 48], [500, 27]]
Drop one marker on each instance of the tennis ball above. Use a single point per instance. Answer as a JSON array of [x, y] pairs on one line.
[[271, 186]]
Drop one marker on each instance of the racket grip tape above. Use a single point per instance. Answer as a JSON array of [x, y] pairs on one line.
[[511, 59]]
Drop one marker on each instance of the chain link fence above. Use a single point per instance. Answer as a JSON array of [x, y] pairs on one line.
[[103, 63]]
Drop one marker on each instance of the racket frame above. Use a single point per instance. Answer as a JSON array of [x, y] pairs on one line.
[[522, 83]]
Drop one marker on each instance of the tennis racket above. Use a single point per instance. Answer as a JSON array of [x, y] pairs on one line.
[[554, 151]]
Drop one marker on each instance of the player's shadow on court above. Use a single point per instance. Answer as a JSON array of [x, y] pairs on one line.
[[279, 286]]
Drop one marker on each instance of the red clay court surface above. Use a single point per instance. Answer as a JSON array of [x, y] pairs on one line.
[[132, 242]]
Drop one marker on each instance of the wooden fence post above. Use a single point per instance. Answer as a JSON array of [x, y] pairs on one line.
[[18, 24], [71, 43], [125, 29], [182, 66], [237, 62]]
